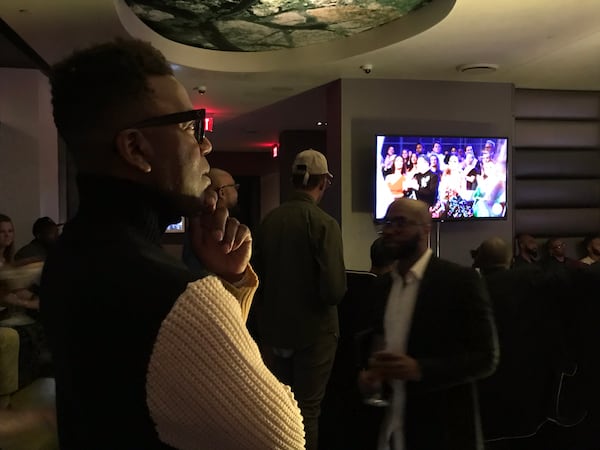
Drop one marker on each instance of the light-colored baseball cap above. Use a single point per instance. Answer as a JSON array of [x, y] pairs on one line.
[[310, 162]]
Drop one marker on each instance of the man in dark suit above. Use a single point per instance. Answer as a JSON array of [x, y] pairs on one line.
[[439, 336]]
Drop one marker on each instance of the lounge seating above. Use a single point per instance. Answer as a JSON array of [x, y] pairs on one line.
[[26, 407]]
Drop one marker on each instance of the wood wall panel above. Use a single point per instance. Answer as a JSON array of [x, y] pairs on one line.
[[571, 164], [556, 163], [534, 103], [556, 193], [558, 222], [556, 133]]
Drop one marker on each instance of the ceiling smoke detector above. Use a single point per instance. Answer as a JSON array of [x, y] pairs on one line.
[[478, 68]]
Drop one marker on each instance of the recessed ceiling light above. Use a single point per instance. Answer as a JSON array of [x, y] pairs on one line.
[[477, 68]]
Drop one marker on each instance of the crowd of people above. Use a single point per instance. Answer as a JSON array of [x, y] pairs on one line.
[[543, 393], [20, 272], [456, 183], [237, 344]]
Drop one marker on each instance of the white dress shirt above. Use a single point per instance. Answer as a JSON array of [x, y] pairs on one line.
[[397, 322]]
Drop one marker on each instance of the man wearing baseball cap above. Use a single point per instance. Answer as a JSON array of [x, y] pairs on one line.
[[300, 263]]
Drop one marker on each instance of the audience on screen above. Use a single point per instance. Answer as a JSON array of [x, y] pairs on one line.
[[395, 181], [470, 169], [387, 163]]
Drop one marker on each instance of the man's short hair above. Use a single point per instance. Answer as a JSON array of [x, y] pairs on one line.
[[92, 86], [588, 239], [551, 241], [42, 225], [299, 182], [491, 253]]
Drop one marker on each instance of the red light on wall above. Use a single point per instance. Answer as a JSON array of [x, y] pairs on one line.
[[275, 150], [208, 123]]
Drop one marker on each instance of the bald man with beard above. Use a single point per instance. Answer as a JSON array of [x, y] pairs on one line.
[[439, 333], [224, 185], [527, 251]]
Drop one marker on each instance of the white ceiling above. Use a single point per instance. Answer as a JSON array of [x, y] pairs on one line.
[[536, 44]]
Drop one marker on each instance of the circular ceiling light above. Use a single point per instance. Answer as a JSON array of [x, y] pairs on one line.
[[477, 68], [297, 35]]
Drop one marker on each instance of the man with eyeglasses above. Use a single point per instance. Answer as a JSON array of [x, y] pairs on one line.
[[224, 185], [557, 261], [148, 355], [436, 321], [226, 189]]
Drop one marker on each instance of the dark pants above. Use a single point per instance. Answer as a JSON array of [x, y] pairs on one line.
[[307, 372]]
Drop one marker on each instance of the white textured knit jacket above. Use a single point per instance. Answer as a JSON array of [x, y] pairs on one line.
[[218, 395]]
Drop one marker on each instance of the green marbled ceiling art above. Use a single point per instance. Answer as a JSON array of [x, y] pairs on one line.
[[261, 25]]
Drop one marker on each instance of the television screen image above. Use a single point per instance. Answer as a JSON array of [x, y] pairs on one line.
[[178, 227], [460, 178]]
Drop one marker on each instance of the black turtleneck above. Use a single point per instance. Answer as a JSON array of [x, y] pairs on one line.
[[105, 290], [115, 200]]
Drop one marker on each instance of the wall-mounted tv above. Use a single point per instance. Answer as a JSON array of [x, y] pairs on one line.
[[461, 178], [178, 227]]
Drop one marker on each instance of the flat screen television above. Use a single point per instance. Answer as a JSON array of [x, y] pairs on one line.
[[460, 178], [178, 227]]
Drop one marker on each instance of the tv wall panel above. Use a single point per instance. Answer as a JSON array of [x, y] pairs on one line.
[[556, 193], [558, 222], [553, 133], [557, 164], [538, 104]]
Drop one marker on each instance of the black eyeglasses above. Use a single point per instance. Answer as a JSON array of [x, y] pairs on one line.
[[236, 186], [195, 115]]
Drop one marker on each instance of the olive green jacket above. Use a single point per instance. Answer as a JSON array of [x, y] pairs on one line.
[[299, 259]]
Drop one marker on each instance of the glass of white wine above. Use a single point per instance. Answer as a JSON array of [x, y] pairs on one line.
[[379, 392]]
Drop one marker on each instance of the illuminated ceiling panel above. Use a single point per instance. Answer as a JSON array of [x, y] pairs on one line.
[[266, 25]]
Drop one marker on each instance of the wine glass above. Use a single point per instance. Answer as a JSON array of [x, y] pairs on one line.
[[379, 392]]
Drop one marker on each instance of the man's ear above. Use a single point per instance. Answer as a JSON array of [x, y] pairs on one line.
[[323, 184], [134, 149]]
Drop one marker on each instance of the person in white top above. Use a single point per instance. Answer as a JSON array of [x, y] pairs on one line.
[[592, 247]]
